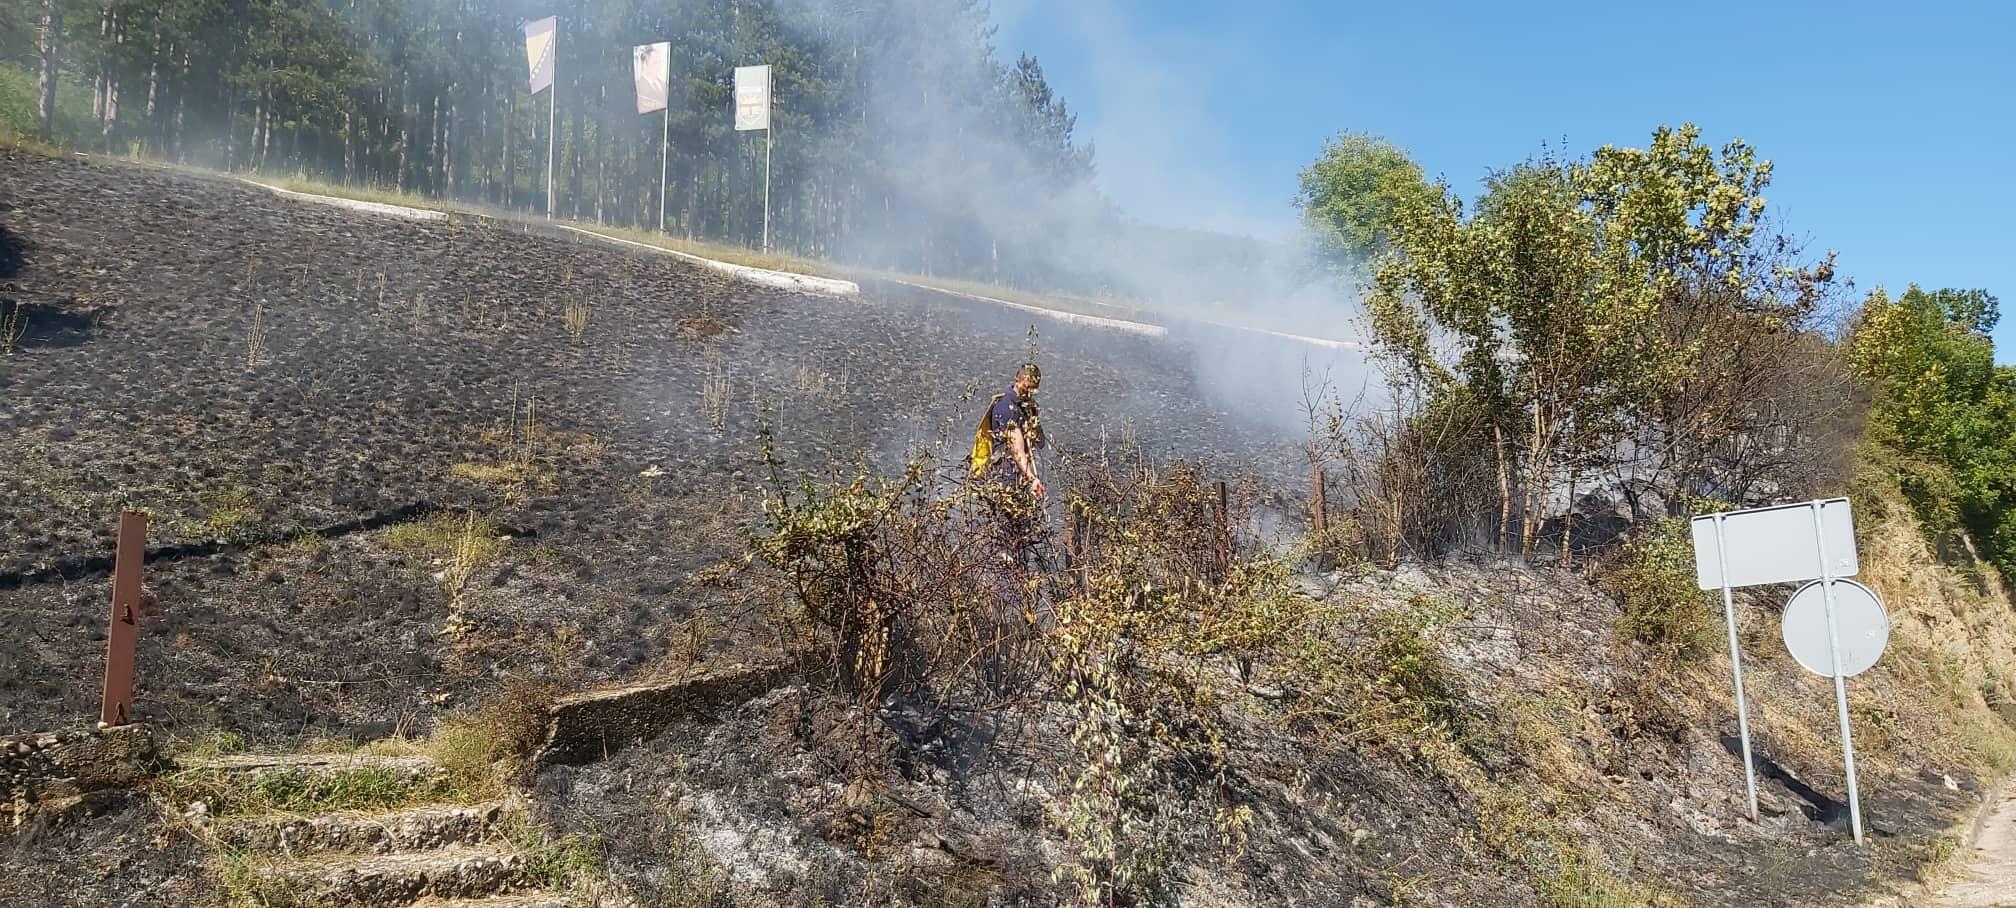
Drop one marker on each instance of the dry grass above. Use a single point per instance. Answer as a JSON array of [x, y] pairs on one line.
[[576, 317], [523, 447], [717, 391], [459, 546], [13, 327], [255, 338]]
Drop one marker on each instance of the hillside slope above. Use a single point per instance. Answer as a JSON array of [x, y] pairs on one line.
[[395, 467]]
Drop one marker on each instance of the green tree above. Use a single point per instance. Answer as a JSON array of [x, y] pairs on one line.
[[1939, 400], [1354, 195], [1615, 319]]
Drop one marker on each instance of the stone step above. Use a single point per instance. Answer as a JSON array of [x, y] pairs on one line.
[[453, 872], [535, 899], [412, 829], [255, 765]]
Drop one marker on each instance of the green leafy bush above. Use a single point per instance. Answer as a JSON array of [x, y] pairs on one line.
[[1663, 608]]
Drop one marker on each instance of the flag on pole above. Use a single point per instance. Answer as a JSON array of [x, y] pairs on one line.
[[752, 97], [539, 51], [654, 76]]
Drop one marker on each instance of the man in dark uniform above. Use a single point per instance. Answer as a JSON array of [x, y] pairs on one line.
[[1016, 434], [1010, 435]]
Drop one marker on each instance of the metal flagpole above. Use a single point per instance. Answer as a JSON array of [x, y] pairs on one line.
[[552, 126], [1736, 668], [1840, 683], [767, 133], [664, 157]]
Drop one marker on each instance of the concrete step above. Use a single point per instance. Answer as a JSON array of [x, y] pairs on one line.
[[453, 872], [412, 829], [255, 765]]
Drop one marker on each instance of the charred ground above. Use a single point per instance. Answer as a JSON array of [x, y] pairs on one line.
[[395, 466]]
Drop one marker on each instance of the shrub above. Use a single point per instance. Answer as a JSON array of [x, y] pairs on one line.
[[1663, 608]]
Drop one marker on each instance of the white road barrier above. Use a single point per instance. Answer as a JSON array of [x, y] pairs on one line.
[[783, 280], [397, 211], [1095, 321]]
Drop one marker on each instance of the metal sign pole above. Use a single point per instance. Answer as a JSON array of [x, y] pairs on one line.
[[1840, 682], [1736, 668]]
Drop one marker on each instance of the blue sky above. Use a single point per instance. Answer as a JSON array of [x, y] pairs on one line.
[[1892, 127]]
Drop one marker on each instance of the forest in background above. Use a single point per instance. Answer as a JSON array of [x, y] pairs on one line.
[[902, 140]]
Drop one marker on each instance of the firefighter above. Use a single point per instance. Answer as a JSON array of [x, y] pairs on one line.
[[1004, 448], [1004, 460]]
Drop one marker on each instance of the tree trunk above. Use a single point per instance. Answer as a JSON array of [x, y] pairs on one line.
[[1504, 487], [448, 151], [435, 142], [104, 63], [574, 160], [111, 120], [154, 73], [181, 95], [692, 202], [264, 137], [401, 176], [52, 66], [601, 157], [510, 170]]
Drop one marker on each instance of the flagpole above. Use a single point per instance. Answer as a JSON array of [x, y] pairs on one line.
[[767, 133], [664, 164], [552, 126], [665, 147]]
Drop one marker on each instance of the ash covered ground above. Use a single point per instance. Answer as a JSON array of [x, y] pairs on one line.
[[280, 385], [250, 369]]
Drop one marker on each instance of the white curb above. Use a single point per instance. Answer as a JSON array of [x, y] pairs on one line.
[[397, 211], [783, 280]]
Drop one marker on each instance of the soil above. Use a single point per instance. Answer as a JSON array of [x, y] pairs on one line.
[[279, 383], [258, 369]]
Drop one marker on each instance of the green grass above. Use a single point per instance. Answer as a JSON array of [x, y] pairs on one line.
[[304, 790], [444, 535], [552, 862]]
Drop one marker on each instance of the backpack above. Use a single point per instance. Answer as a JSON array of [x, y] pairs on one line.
[[983, 438]]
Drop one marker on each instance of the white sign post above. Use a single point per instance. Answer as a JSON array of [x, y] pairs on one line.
[[752, 111], [1780, 544]]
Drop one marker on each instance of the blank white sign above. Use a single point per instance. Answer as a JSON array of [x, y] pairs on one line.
[[1775, 545], [1860, 626]]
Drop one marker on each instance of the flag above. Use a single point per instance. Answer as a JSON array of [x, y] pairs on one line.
[[654, 76], [539, 39], [752, 97]]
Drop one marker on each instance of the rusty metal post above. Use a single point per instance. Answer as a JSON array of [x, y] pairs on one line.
[[124, 627]]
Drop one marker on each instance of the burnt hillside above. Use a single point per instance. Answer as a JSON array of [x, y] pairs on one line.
[[253, 370], [395, 467]]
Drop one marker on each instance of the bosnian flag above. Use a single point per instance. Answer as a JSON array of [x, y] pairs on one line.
[[539, 40], [654, 76]]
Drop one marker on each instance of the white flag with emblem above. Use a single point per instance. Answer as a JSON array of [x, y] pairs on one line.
[[752, 97], [654, 76], [539, 40]]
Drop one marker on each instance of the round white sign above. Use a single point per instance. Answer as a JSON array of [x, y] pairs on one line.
[[1859, 621]]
